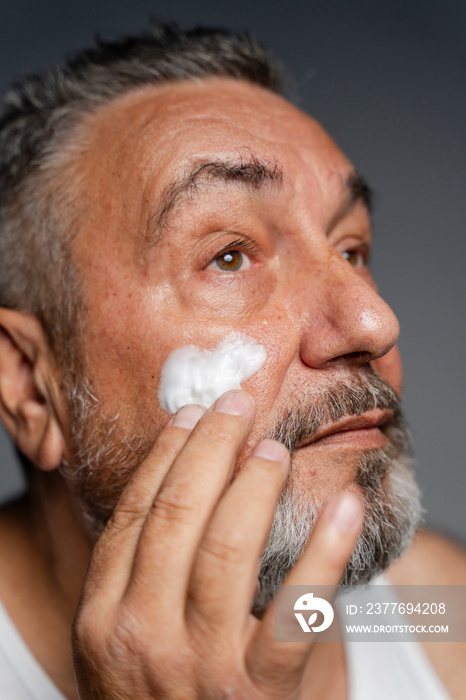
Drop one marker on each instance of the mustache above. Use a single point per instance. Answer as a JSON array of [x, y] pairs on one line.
[[352, 395]]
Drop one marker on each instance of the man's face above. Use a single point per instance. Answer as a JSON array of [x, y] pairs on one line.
[[215, 207]]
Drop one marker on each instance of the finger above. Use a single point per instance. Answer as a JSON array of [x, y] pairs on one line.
[[114, 552], [187, 498], [322, 563], [225, 572]]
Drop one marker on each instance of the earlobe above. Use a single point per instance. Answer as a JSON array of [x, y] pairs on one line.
[[26, 376]]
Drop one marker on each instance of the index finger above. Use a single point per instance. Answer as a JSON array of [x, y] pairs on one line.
[[113, 554], [188, 496]]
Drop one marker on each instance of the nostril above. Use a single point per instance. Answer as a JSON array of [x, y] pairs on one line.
[[353, 358]]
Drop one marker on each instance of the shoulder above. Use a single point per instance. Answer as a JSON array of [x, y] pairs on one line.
[[432, 559], [435, 560]]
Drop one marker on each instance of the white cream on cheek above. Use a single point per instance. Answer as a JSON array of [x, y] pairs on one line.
[[193, 375]]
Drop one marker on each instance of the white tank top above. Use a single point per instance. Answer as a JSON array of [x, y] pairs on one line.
[[378, 670], [391, 670], [21, 676]]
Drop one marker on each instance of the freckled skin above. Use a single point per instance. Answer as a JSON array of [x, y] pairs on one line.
[[300, 298]]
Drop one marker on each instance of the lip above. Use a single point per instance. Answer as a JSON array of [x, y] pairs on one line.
[[361, 431]]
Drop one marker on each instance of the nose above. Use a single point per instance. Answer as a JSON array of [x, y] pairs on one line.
[[345, 321]]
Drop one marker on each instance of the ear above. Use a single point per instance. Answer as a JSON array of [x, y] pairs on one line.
[[29, 401]]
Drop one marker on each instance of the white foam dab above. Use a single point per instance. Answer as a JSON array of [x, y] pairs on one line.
[[193, 375]]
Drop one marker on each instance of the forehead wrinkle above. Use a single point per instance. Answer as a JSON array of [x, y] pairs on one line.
[[252, 172]]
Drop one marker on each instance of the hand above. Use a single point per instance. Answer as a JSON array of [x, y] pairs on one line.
[[165, 609]]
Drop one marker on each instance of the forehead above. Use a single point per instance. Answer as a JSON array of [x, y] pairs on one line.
[[150, 136]]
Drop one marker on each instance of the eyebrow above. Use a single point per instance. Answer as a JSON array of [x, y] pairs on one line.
[[359, 190], [253, 173], [355, 190]]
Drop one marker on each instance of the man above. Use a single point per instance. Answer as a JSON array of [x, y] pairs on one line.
[[160, 193]]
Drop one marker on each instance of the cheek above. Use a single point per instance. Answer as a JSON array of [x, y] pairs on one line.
[[254, 357], [125, 357], [133, 330], [281, 341], [236, 296], [390, 368]]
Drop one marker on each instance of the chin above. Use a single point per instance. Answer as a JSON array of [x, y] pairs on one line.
[[384, 480]]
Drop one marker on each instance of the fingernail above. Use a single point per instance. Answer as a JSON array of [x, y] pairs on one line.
[[345, 512], [188, 416], [235, 403], [270, 449]]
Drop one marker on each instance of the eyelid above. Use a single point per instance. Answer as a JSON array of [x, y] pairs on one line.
[[241, 243]]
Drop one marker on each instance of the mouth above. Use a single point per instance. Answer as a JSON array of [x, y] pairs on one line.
[[362, 432]]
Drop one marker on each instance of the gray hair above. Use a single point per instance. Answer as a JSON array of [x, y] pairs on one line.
[[39, 213]]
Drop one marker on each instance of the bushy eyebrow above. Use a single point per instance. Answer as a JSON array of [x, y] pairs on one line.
[[355, 190], [359, 191], [253, 173]]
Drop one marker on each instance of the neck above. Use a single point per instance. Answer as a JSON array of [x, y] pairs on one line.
[[60, 538], [44, 554]]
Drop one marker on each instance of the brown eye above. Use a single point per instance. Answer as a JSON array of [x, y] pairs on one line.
[[354, 257], [231, 261]]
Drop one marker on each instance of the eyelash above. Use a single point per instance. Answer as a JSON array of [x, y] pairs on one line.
[[250, 247], [241, 244]]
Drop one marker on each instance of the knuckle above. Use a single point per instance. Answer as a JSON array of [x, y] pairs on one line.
[[125, 516], [166, 655], [171, 506], [222, 551], [128, 633], [88, 629], [127, 646]]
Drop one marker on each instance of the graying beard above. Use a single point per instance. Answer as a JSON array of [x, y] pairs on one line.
[[351, 397], [392, 515], [95, 446], [392, 511]]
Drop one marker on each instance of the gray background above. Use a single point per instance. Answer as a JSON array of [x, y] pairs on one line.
[[387, 79]]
